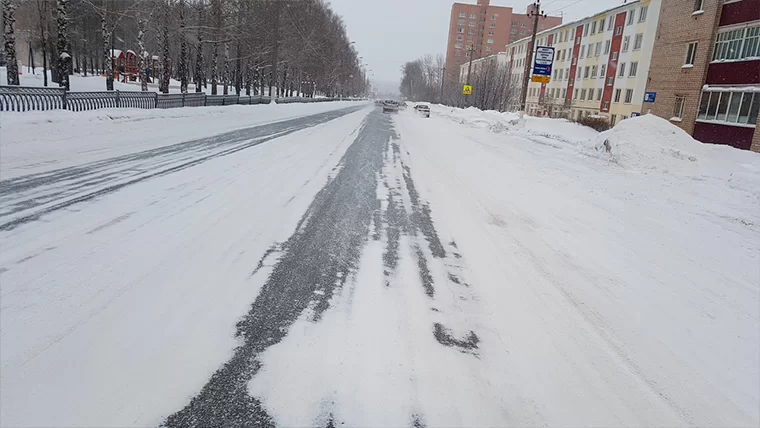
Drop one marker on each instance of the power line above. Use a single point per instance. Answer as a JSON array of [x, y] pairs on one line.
[[564, 7]]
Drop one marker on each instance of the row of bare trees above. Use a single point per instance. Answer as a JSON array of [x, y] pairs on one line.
[[288, 46], [494, 87]]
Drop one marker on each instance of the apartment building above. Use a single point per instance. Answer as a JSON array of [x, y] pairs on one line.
[[484, 30], [600, 66], [706, 70], [500, 60]]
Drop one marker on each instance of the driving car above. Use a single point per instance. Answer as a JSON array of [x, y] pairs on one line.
[[423, 109], [390, 106]]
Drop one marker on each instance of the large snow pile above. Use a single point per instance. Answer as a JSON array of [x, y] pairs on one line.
[[650, 143]]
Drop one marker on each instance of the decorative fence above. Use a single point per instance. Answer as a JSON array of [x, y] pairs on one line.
[[22, 98]]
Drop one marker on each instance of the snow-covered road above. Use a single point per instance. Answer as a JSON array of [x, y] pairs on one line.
[[364, 269]]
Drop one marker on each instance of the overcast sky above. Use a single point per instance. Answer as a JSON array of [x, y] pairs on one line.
[[390, 32]]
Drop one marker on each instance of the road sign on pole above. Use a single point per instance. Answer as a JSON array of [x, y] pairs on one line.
[[467, 89], [542, 63]]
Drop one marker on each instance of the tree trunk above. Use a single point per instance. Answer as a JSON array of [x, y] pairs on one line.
[[226, 72], [64, 57], [166, 70], [9, 31], [248, 77], [199, 77], [182, 68], [142, 54], [107, 54], [238, 70], [214, 68]]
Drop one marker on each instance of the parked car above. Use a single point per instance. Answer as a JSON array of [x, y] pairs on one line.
[[390, 106], [423, 109]]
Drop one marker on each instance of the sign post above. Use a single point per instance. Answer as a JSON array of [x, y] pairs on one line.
[[542, 64], [467, 90]]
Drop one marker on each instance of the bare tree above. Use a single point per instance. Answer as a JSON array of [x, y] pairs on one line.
[[9, 33]]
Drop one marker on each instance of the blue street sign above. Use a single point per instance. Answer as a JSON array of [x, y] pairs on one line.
[[649, 97], [635, 114], [542, 63]]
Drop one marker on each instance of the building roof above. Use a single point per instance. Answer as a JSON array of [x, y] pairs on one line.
[[577, 21]]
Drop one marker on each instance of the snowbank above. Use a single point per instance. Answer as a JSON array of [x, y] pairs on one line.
[[650, 143]]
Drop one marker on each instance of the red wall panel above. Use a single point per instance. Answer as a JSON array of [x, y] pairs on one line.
[[617, 41], [739, 12], [735, 136]]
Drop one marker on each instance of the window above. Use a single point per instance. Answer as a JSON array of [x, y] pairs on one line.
[[691, 53], [576, 95], [737, 44], [593, 27], [643, 13], [613, 119], [567, 73], [593, 72], [601, 25], [490, 33], [522, 25], [489, 41], [619, 30], [678, 106], [606, 47], [628, 96], [462, 15], [578, 75], [459, 53], [469, 38], [564, 93], [731, 107], [460, 22], [603, 70], [460, 38], [458, 45], [513, 32], [626, 42], [460, 30], [470, 31], [575, 60], [583, 51], [514, 24], [610, 80], [494, 26], [473, 16], [616, 99], [598, 49], [471, 24], [621, 69], [606, 105], [585, 30], [577, 40], [583, 95], [631, 13], [585, 72], [634, 69], [488, 49], [637, 41], [614, 56], [698, 5], [599, 94], [612, 22], [493, 17]]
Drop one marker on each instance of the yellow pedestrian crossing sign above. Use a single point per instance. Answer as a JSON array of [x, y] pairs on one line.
[[467, 90]]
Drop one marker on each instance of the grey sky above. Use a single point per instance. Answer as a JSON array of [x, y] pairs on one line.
[[390, 32]]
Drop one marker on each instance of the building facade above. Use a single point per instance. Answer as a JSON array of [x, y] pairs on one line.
[[600, 65], [706, 70], [484, 30]]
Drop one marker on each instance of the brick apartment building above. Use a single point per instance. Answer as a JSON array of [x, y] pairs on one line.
[[486, 29], [600, 66], [706, 70]]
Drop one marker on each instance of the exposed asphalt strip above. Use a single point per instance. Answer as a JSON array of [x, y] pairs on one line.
[[51, 191], [313, 264]]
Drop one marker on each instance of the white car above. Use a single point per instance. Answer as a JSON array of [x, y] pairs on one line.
[[422, 109]]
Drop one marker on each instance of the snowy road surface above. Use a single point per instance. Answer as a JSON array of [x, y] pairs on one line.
[[347, 267]]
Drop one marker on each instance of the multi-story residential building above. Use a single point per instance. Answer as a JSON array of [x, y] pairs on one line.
[[600, 66], [706, 70], [484, 30], [500, 60]]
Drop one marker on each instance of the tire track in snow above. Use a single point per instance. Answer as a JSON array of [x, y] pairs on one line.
[[28, 198], [318, 258]]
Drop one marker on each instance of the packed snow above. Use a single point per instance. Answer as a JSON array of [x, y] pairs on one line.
[[580, 278], [38, 141]]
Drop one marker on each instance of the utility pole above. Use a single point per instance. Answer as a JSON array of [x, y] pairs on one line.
[[469, 71], [535, 13], [443, 79]]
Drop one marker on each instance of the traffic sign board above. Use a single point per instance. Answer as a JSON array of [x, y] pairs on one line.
[[542, 63], [649, 97], [467, 90]]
